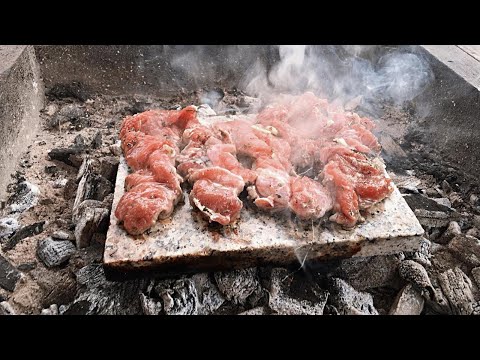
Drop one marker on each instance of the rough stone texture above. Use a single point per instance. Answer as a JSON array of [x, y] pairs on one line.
[[97, 295], [51, 310], [457, 288], [282, 302], [23, 233], [349, 301], [466, 248], [409, 301], [255, 311], [367, 273], [9, 275], [452, 231], [150, 306], [209, 297], [476, 275], [8, 226], [179, 297], [54, 253], [6, 308], [238, 285], [416, 274], [21, 98]]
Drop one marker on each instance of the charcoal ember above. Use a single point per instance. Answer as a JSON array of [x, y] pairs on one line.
[[6, 308], [291, 295], [75, 89], [414, 273], [97, 141], [89, 220], [98, 296], [79, 141], [109, 167], [8, 226], [238, 285], [59, 183], [423, 255], [70, 189], [70, 112], [179, 297], [349, 301], [409, 301], [23, 233], [54, 253], [63, 235], [209, 297], [9, 275], [25, 195], [466, 248], [369, 272], [453, 230], [455, 199], [91, 185], [429, 212], [59, 287], [476, 221], [51, 169], [255, 311], [443, 201], [70, 156], [78, 210], [51, 310], [150, 306], [26, 267], [457, 288]]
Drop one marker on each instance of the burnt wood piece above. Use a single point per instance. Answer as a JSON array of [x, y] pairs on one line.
[[54, 253], [23, 233], [9, 275], [68, 156]]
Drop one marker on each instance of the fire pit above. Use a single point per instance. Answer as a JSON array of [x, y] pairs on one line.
[[63, 251]]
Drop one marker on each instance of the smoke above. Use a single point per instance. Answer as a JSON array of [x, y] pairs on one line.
[[342, 73]]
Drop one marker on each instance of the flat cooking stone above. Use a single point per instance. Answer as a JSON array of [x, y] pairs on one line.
[[186, 242]]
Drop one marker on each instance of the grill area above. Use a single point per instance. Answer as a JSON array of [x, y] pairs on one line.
[[427, 229]]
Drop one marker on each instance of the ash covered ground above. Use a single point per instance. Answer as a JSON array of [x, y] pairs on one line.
[[42, 272]]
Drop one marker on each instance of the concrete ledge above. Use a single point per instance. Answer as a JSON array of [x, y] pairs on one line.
[[21, 99]]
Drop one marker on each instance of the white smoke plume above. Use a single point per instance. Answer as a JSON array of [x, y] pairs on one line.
[[341, 73]]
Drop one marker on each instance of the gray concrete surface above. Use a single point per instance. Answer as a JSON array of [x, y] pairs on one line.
[[21, 99], [149, 69]]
